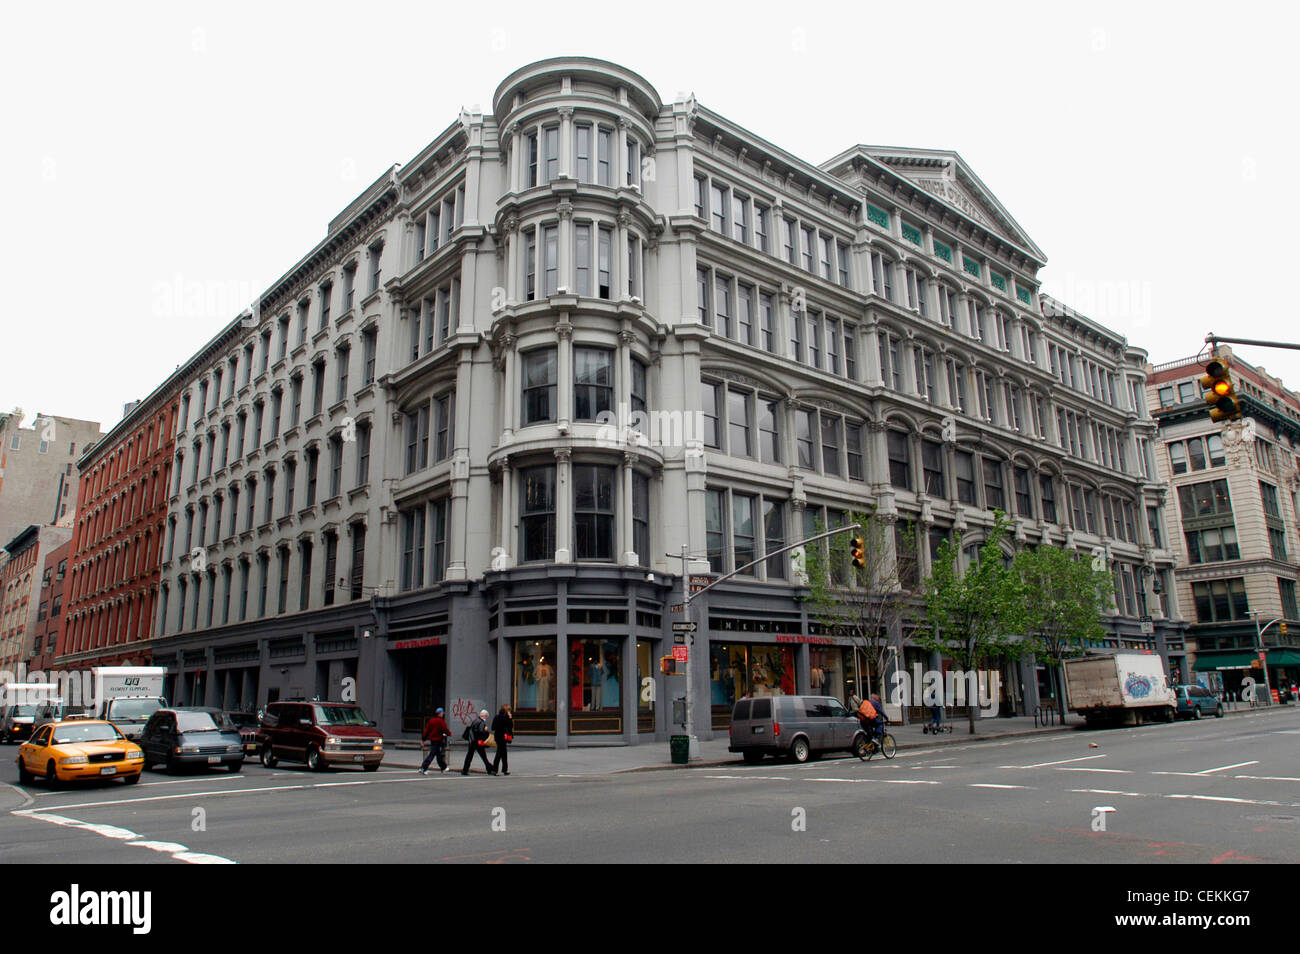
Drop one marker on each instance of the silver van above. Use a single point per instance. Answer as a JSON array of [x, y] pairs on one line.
[[797, 726]]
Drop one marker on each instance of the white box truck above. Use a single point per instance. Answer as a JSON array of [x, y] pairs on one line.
[[127, 696], [1119, 687]]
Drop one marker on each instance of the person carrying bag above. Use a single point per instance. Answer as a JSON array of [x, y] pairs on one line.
[[503, 731], [476, 734]]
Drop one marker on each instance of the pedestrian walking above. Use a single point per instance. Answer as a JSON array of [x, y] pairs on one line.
[[437, 734], [476, 734], [503, 729]]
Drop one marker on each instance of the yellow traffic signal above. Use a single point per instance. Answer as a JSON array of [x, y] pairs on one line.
[[858, 552], [1219, 391], [666, 665], [1282, 628]]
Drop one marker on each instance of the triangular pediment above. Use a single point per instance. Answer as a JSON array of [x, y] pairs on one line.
[[946, 176]]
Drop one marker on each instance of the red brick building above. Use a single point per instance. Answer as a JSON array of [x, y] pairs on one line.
[[49, 614], [20, 591], [117, 544]]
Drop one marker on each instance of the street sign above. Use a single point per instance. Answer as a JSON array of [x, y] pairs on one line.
[[675, 608], [680, 654], [699, 582], [685, 627]]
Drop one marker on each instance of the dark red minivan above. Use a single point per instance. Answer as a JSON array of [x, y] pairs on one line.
[[320, 734]]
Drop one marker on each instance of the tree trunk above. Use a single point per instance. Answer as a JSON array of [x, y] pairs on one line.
[[1060, 690]]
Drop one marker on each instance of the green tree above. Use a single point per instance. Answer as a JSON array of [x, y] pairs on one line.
[[970, 615], [1060, 604], [867, 603]]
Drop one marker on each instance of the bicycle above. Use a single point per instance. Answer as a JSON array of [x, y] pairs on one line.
[[866, 747]]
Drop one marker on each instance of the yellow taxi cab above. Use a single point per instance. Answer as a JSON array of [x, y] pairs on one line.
[[69, 750]]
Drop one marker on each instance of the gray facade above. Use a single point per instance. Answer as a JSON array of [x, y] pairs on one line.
[[575, 334], [39, 480]]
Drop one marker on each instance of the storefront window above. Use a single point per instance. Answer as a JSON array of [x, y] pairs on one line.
[[739, 670], [534, 685], [645, 669], [834, 672], [595, 682]]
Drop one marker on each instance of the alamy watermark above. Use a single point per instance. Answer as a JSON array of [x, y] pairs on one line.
[[956, 687]]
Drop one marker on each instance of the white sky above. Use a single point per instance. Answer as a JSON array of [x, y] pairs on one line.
[[163, 163]]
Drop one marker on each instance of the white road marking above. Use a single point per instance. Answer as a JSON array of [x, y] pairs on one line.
[[1202, 798], [882, 781], [125, 835], [992, 785], [1224, 768], [1224, 798], [229, 791], [1084, 758], [224, 777], [1268, 778], [1089, 768]]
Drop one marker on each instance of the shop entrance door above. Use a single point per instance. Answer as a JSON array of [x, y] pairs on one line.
[[424, 684]]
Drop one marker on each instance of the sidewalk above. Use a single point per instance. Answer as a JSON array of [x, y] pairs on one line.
[[605, 759]]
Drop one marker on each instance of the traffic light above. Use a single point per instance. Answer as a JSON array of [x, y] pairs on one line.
[[1282, 628], [1219, 391], [667, 666], [858, 552]]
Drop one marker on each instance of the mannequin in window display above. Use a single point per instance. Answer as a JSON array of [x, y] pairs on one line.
[[596, 673], [611, 696], [545, 676]]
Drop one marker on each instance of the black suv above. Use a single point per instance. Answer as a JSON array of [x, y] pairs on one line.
[[320, 734]]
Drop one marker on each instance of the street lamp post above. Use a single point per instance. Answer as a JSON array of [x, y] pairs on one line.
[[1259, 645], [688, 596]]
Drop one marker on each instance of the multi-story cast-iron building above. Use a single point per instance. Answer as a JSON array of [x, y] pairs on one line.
[[446, 458], [1237, 493]]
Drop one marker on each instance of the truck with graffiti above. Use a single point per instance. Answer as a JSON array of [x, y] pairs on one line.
[[1127, 688]]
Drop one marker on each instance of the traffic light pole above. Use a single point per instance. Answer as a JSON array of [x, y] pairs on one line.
[[1213, 340], [687, 596]]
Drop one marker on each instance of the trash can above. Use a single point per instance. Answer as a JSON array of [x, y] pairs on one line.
[[681, 749]]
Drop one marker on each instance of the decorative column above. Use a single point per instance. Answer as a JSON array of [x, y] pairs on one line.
[[506, 362], [564, 372], [625, 515], [565, 275], [566, 157], [563, 506]]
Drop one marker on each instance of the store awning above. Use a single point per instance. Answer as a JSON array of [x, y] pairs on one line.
[[1284, 657], [1209, 663]]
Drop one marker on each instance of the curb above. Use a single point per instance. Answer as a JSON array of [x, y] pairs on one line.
[[959, 740]]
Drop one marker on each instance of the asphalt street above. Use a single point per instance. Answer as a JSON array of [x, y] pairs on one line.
[[1222, 791]]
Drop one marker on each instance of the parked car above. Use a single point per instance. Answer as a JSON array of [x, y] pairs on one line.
[[321, 734], [1195, 701], [191, 736], [67, 751], [798, 726], [246, 723]]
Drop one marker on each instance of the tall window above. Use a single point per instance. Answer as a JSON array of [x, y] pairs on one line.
[[357, 572], [363, 454], [331, 564], [994, 495], [900, 460], [593, 512], [593, 382], [413, 534], [537, 514], [444, 409], [932, 467], [539, 386], [336, 465], [641, 518]]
